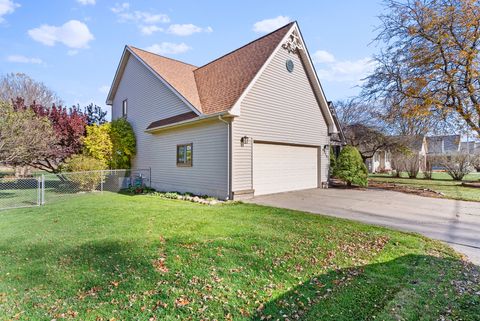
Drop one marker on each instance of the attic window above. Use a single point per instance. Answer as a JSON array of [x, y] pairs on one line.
[[124, 108], [289, 65]]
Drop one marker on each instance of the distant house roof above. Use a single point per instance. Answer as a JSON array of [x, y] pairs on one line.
[[443, 144]]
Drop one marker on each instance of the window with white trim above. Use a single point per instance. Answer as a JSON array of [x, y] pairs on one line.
[[185, 155]]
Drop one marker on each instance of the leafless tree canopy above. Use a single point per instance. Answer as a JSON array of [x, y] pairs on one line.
[[456, 165], [14, 85], [429, 66], [354, 111]]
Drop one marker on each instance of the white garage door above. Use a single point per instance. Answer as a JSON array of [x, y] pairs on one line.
[[282, 168]]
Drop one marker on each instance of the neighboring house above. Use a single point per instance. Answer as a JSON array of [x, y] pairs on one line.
[[254, 121], [470, 148], [383, 160], [443, 145]]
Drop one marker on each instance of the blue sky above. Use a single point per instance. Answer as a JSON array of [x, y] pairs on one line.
[[74, 46]]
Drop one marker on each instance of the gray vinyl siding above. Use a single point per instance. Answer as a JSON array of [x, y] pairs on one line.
[[280, 107], [208, 174], [150, 100]]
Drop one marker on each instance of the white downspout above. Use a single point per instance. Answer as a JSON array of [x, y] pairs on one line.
[[228, 155]]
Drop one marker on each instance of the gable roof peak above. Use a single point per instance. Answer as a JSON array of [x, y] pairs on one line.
[[221, 82], [249, 43], [160, 56]]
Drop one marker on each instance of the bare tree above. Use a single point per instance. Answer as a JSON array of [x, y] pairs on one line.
[[355, 111], [406, 161], [476, 162], [428, 172], [429, 64], [456, 165], [15, 85]]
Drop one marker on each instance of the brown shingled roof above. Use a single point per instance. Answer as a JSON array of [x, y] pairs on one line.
[[172, 120], [178, 74], [221, 82], [216, 86]]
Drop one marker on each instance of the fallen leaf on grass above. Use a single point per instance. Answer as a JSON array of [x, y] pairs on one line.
[[181, 301], [159, 265]]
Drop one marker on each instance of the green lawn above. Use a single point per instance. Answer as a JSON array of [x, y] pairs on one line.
[[441, 182], [120, 257]]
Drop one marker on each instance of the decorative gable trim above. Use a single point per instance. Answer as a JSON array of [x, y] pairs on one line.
[[293, 42], [235, 109]]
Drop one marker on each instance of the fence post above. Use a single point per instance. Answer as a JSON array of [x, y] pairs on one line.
[[39, 191], [150, 177], [101, 180], [43, 190]]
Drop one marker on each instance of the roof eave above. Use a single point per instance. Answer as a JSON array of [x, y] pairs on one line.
[[200, 118], [116, 80]]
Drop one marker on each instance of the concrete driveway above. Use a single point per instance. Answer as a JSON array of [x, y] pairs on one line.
[[455, 222]]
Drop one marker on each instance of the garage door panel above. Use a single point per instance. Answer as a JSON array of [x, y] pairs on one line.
[[281, 168]]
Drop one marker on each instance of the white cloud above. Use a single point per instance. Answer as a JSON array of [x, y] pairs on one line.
[[332, 69], [186, 29], [73, 34], [148, 30], [72, 52], [322, 56], [268, 25], [7, 7], [146, 21], [166, 48], [24, 59], [86, 2], [120, 7], [125, 14], [104, 89]]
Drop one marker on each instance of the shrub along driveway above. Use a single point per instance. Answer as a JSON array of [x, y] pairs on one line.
[[455, 222]]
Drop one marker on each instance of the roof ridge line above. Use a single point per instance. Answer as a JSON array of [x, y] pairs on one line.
[[183, 62], [249, 43]]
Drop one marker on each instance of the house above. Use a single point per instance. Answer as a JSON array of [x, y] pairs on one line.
[[384, 159], [472, 148], [254, 121], [443, 145], [381, 162]]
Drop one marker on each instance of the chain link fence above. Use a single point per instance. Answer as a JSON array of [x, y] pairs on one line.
[[19, 192], [48, 188]]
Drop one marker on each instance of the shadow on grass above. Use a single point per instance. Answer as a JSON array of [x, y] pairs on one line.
[[410, 287]]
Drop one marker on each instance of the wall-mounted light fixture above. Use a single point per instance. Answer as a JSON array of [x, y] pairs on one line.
[[245, 140], [326, 149]]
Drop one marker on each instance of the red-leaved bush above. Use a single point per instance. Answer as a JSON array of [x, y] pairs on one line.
[[69, 127]]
